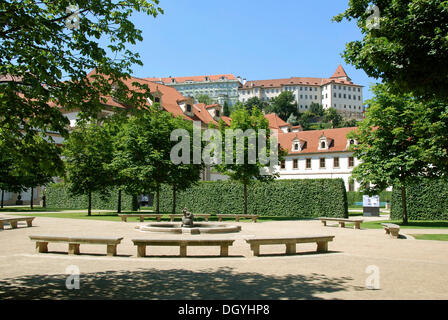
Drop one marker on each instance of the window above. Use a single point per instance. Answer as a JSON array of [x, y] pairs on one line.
[[322, 145], [339, 95], [315, 97], [295, 164], [308, 163], [296, 146], [322, 163], [188, 108], [336, 162], [282, 164], [351, 162], [217, 113], [156, 100]]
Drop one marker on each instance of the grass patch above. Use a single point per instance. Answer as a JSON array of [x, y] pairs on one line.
[[28, 209], [438, 237], [411, 224]]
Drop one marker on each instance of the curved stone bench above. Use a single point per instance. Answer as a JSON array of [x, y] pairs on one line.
[[124, 217], [183, 244], [342, 221], [290, 242], [392, 229], [13, 221], [75, 241], [237, 216]]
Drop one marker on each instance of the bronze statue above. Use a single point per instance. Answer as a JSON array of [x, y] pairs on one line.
[[187, 219]]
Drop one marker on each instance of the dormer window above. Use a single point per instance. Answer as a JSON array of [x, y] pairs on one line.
[[323, 145], [217, 113], [157, 100], [296, 146], [173, 80], [207, 78], [188, 108]]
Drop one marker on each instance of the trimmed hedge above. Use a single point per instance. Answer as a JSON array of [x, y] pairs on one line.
[[355, 196], [426, 199], [306, 198], [57, 196]]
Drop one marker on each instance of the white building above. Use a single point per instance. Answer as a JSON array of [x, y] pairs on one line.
[[318, 154], [221, 88], [338, 92]]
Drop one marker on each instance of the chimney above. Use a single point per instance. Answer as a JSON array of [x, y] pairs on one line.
[[244, 81], [239, 79]]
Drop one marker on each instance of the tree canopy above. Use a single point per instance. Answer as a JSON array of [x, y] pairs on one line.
[[408, 48], [44, 62]]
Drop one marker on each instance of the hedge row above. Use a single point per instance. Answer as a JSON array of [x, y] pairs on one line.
[[305, 198], [426, 199], [57, 196], [354, 196]]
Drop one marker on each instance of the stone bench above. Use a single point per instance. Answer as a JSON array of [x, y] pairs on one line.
[[237, 216], [392, 229], [183, 244], [290, 242], [124, 217], [13, 221], [74, 242], [196, 215], [342, 222]]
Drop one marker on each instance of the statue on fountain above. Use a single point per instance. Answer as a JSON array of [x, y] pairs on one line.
[[187, 219]]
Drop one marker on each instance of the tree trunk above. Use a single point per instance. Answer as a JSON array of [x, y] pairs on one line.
[[119, 202], [174, 199], [32, 198], [403, 205], [245, 197], [89, 211], [157, 198], [3, 195]]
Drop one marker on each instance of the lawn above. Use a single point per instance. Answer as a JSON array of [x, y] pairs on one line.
[[439, 237], [438, 224]]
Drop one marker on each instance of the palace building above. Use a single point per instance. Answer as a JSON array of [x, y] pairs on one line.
[[338, 92]]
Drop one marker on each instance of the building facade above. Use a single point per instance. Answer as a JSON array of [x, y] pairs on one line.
[[221, 88], [338, 92]]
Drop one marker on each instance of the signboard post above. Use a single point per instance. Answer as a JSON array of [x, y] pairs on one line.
[[371, 206]]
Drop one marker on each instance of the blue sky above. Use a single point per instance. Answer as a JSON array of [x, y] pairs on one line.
[[256, 39]]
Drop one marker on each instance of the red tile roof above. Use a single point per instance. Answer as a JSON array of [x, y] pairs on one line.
[[193, 78], [278, 83], [339, 73], [339, 137], [275, 122]]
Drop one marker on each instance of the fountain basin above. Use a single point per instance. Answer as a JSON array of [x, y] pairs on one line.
[[198, 228]]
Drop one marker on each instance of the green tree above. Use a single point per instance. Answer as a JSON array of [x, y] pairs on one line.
[[332, 116], [306, 119], [407, 49], [317, 109], [183, 175], [205, 98], [45, 58], [284, 105], [388, 144], [255, 102], [226, 109], [88, 153], [143, 151], [293, 120], [245, 172]]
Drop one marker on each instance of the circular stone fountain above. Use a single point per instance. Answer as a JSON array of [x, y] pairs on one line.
[[189, 226]]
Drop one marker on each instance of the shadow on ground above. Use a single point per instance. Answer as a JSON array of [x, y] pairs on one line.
[[223, 283]]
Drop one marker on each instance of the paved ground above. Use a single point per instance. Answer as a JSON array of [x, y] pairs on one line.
[[408, 269]]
